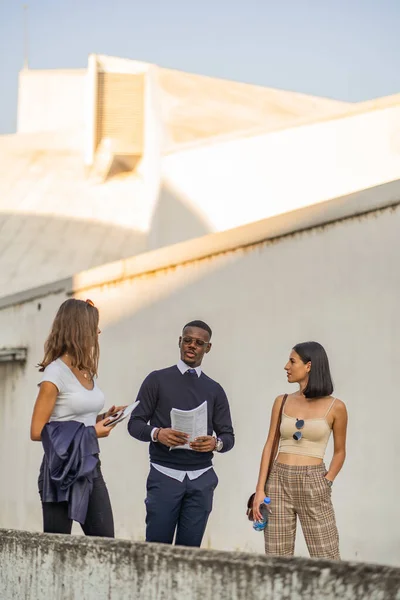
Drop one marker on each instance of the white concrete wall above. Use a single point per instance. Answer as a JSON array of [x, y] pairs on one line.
[[149, 168], [37, 566], [52, 100], [229, 183], [337, 284]]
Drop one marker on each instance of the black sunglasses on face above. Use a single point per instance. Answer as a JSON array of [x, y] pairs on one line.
[[189, 340], [299, 425]]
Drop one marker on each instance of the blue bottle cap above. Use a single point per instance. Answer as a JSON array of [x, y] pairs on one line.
[[267, 500]]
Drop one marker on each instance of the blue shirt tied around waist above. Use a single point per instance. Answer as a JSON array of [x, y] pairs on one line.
[[174, 388], [70, 460]]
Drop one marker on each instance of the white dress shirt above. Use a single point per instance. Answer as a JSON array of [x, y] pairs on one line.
[[175, 473]]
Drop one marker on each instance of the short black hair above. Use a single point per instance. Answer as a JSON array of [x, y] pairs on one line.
[[319, 380], [200, 325]]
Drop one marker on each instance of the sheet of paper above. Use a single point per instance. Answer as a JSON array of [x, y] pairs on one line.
[[193, 422], [123, 414]]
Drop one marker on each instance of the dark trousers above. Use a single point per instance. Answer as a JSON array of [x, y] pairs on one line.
[[183, 507], [99, 519]]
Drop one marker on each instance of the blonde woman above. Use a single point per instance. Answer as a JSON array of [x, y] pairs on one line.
[[66, 419], [299, 484]]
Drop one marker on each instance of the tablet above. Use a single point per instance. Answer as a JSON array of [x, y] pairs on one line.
[[122, 414]]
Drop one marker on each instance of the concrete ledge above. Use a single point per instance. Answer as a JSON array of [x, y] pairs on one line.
[[41, 291], [36, 566]]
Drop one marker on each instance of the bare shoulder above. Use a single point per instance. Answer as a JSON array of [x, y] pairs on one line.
[[278, 402], [279, 399], [339, 408]]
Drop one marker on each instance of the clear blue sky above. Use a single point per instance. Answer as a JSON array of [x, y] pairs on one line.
[[345, 49]]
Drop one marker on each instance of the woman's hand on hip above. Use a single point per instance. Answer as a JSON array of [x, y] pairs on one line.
[[258, 500]]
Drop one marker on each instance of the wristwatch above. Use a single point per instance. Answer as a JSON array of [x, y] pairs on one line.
[[219, 444]]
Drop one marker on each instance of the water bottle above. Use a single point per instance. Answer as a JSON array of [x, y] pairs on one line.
[[264, 510]]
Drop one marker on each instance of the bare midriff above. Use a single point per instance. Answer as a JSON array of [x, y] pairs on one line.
[[297, 459]]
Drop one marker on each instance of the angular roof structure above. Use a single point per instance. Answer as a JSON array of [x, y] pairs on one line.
[[57, 218], [195, 107]]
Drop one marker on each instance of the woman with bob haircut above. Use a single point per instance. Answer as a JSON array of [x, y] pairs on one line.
[[65, 418], [297, 480]]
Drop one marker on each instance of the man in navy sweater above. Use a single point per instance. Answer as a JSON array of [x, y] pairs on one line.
[[181, 483]]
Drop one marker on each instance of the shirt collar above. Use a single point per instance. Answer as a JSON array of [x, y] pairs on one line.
[[183, 367]]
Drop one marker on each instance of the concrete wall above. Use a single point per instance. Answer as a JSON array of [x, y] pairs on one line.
[[51, 100], [237, 181], [337, 283], [68, 568]]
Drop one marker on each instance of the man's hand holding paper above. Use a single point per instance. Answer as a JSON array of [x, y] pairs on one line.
[[171, 437], [193, 423], [205, 443]]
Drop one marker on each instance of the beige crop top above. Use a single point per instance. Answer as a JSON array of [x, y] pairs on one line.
[[315, 435]]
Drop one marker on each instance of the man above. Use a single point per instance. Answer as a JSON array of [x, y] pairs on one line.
[[181, 483]]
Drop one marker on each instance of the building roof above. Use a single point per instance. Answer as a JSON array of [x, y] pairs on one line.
[[196, 107], [56, 221]]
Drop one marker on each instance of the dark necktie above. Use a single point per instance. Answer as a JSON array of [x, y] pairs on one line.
[[191, 372]]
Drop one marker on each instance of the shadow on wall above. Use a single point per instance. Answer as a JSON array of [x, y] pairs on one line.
[[35, 250], [174, 220], [40, 249], [246, 297]]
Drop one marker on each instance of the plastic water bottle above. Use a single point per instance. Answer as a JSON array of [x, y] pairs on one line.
[[265, 511]]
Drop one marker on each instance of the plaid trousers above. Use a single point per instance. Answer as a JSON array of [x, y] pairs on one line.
[[302, 491]]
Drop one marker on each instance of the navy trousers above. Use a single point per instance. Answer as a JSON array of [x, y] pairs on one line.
[[181, 507]]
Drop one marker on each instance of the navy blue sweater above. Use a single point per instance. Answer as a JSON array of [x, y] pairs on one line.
[[166, 389]]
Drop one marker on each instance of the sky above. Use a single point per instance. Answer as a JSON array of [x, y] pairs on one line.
[[343, 49]]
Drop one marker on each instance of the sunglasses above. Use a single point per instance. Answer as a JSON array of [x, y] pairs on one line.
[[189, 340], [299, 425], [90, 302]]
